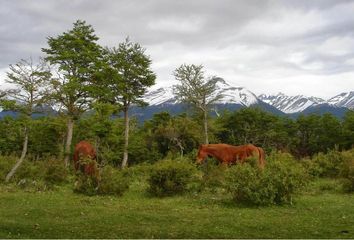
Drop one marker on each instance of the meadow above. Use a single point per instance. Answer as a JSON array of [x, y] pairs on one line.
[[320, 211]]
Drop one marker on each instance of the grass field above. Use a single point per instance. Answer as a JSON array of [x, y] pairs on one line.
[[319, 213]]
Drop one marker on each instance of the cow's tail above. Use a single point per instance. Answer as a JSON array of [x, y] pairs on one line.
[[261, 157]]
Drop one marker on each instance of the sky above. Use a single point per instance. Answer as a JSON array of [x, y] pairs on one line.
[[267, 46]]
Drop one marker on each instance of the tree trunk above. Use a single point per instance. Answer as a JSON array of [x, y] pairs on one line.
[[206, 127], [19, 162], [126, 138], [69, 138]]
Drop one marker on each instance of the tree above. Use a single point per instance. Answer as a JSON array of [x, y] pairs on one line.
[[172, 134], [197, 91], [31, 92], [348, 129], [77, 57], [129, 77], [308, 128], [330, 133]]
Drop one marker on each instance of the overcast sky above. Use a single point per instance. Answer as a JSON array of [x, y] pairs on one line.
[[295, 46]]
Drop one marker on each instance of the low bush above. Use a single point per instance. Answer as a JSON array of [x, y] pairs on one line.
[[56, 172], [170, 177], [213, 176], [30, 170], [86, 185], [6, 163], [112, 182], [325, 165], [139, 172], [275, 184], [347, 171]]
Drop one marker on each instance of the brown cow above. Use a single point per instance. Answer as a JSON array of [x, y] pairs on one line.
[[85, 159], [229, 154]]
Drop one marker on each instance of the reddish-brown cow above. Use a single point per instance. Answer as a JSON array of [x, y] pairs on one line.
[[229, 154], [85, 159]]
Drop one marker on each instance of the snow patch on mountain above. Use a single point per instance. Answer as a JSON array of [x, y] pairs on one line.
[[230, 95], [343, 100], [290, 104], [160, 95]]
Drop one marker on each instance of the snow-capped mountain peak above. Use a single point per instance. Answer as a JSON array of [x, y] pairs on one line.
[[343, 100], [160, 95], [239, 95], [290, 104], [230, 95]]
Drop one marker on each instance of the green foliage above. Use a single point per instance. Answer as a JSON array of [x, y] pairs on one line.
[[139, 172], [30, 92], [170, 177], [10, 136], [39, 175], [325, 164], [46, 137], [77, 56], [276, 184], [129, 72], [347, 171], [6, 163], [30, 170], [113, 182], [348, 130], [128, 75], [56, 173], [213, 176], [195, 90], [179, 134], [86, 185], [259, 127]]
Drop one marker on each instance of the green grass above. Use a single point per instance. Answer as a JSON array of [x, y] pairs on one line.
[[63, 214]]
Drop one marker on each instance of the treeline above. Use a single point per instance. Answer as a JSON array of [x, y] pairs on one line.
[[166, 135]]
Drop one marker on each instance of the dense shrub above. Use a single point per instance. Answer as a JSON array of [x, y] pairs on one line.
[[170, 177], [86, 185], [34, 175], [139, 172], [276, 184], [213, 176], [30, 170], [6, 163], [347, 171], [325, 165], [56, 172], [112, 182]]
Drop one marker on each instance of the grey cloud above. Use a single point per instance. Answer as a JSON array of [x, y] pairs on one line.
[[204, 31]]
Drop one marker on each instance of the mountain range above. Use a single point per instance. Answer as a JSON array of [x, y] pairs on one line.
[[235, 97]]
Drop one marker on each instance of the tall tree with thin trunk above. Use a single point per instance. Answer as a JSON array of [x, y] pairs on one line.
[[197, 91], [30, 93], [76, 56], [130, 76]]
